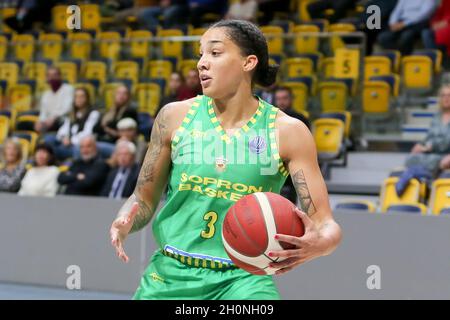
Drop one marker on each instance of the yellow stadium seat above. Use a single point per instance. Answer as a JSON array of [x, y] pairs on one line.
[[333, 95], [20, 97], [299, 93], [126, 70], [24, 123], [171, 48], [139, 43], [90, 16], [9, 72], [89, 87], [274, 40], [51, 45], [388, 194], [109, 44], [80, 45], [3, 47], [159, 69], [336, 41], [95, 70], [6, 13], [328, 136], [59, 18], [187, 65], [298, 67], [108, 92], [417, 72], [31, 136], [148, 96], [69, 71], [376, 66], [440, 195], [306, 43], [23, 45], [4, 128], [328, 67], [375, 97], [346, 116], [196, 44], [36, 71]]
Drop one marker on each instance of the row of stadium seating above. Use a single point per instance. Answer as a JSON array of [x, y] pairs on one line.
[[415, 198]]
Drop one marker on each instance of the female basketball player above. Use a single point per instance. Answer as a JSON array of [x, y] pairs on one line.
[[227, 123]]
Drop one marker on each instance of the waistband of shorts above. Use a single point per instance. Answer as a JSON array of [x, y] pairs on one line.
[[197, 262]]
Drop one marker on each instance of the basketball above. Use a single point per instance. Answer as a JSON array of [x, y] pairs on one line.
[[250, 226]]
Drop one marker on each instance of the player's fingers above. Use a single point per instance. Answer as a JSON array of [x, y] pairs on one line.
[[283, 270], [121, 252], [287, 238], [283, 264], [284, 253]]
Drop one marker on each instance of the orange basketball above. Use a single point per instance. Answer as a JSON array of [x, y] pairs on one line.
[[250, 226]]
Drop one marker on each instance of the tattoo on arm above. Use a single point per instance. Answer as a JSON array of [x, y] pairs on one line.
[[306, 203], [147, 174]]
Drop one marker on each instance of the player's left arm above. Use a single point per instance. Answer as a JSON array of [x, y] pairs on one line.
[[322, 233]]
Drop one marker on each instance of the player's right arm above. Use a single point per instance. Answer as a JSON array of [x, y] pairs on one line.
[[140, 207]]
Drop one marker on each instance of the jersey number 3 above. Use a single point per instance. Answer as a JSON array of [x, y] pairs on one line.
[[211, 217]]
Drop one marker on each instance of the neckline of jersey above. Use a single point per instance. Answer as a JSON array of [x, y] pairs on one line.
[[237, 133]]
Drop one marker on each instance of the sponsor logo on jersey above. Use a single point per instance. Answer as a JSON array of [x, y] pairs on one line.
[[257, 144]]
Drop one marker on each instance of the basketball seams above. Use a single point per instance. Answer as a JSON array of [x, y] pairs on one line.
[[250, 240]]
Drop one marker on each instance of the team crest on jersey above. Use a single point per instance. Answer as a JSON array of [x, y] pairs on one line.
[[257, 144], [221, 164]]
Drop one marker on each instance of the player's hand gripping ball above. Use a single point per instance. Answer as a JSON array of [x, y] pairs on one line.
[[250, 227]]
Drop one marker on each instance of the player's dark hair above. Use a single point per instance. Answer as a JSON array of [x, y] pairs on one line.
[[251, 40]]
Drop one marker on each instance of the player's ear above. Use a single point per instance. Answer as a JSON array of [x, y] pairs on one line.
[[250, 62]]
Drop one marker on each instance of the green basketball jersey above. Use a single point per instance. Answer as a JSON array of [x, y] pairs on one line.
[[210, 172]]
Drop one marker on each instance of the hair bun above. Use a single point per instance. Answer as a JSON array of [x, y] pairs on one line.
[[267, 76]]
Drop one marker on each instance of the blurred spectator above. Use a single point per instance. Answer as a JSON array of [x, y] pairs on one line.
[[29, 12], [430, 152], [386, 8], [268, 93], [128, 131], [107, 128], [200, 7], [121, 180], [172, 11], [192, 87], [11, 167], [283, 100], [178, 89], [78, 124], [406, 23], [86, 175], [268, 9], [55, 103], [316, 9], [243, 10], [42, 178], [438, 35]]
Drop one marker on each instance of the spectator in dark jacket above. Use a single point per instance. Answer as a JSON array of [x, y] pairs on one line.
[[29, 12], [283, 100], [199, 7], [87, 174], [107, 128], [121, 180]]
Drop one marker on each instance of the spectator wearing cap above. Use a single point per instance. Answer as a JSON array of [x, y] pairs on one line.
[[121, 180], [42, 178], [128, 131]]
